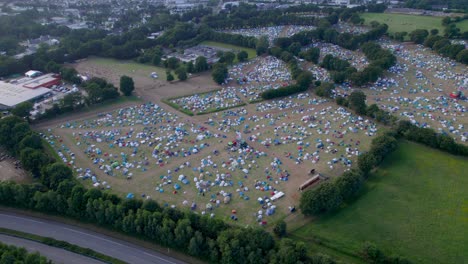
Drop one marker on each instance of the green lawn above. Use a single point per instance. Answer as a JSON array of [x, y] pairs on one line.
[[415, 205], [408, 23], [252, 53], [400, 22], [463, 25], [130, 66]]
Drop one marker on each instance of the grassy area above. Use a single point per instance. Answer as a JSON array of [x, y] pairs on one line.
[[252, 53], [130, 67], [415, 205], [408, 23], [463, 25], [62, 244]]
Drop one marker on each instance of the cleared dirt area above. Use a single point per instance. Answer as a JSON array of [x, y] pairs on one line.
[[9, 171]]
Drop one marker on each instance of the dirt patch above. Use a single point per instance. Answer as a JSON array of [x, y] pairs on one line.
[[10, 171]]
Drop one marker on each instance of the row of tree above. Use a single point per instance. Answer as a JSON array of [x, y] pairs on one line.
[[444, 47], [28, 146], [12, 254], [98, 90], [330, 195]]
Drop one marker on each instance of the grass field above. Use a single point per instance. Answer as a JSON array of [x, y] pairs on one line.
[[415, 205], [408, 23], [252, 53], [130, 66]]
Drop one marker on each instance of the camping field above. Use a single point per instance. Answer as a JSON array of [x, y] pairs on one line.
[[408, 23], [251, 52], [415, 205]]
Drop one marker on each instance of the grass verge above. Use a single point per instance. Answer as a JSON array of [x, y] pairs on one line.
[[63, 245]]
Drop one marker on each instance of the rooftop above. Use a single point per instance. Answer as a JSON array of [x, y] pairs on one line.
[[11, 94]]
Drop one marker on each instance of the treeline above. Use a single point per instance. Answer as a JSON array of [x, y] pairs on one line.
[[431, 138], [247, 16], [98, 90], [380, 60], [403, 129], [330, 195], [345, 40], [303, 78], [12, 254], [200, 236], [20, 140], [444, 47]]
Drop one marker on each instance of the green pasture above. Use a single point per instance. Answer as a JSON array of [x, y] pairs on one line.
[[415, 205], [401, 22], [130, 67], [408, 23]]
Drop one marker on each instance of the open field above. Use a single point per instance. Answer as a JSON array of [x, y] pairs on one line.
[[148, 148], [153, 151], [252, 53], [415, 205], [408, 23], [129, 66]]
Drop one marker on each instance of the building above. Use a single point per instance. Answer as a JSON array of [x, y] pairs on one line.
[[12, 94], [46, 80]]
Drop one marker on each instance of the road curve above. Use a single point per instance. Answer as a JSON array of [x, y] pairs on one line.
[[84, 238], [57, 255]]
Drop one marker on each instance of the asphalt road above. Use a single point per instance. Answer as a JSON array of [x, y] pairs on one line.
[[84, 238], [57, 255]]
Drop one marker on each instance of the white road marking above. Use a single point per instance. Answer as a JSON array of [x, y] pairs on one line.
[[97, 237], [22, 218], [159, 258]]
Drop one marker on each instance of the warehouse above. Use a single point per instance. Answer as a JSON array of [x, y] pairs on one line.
[[46, 80], [12, 95]]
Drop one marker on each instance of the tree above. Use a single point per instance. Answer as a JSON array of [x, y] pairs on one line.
[[181, 73], [357, 102], [219, 73], [366, 162], [304, 79], [312, 55], [349, 184], [54, 174], [190, 67], [418, 36], [295, 48], [156, 60], [326, 197], [280, 229], [462, 56], [171, 63], [262, 45], [242, 56], [201, 64], [32, 160], [169, 76], [22, 109], [325, 90], [434, 31], [228, 57], [126, 85], [52, 66]]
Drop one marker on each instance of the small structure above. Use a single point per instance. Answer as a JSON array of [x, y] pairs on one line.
[[309, 182]]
